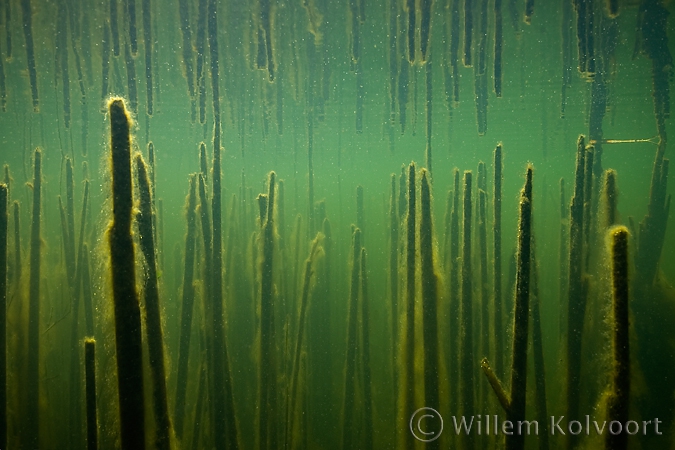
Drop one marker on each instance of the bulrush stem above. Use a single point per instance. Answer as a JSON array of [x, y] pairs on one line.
[[4, 219], [90, 390], [128, 339], [429, 301], [268, 373], [514, 405], [619, 401], [348, 411], [188, 298], [33, 365], [153, 318], [466, 320]]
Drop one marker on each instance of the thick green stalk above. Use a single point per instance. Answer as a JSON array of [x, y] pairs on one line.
[[90, 392]]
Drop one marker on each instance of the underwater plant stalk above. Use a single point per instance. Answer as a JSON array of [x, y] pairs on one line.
[[610, 198], [153, 318], [86, 292], [365, 357], [499, 41], [188, 297], [17, 242], [516, 410], [576, 302], [454, 300], [302, 319], [482, 248], [105, 60], [33, 377], [425, 29], [131, 22], [429, 110], [468, 32], [131, 78], [409, 346], [348, 419], [128, 339], [268, 366], [113, 28], [393, 274], [70, 216], [4, 227], [360, 211], [497, 260], [429, 302], [90, 392], [466, 319], [538, 352], [147, 41], [619, 400], [27, 14], [588, 202]]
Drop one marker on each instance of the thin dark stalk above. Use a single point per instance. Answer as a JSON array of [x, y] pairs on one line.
[[4, 229], [33, 365], [186, 308], [497, 259], [466, 319], [365, 357], [153, 318], [429, 302], [90, 393]]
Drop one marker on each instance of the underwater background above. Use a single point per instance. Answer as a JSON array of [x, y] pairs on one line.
[[293, 224]]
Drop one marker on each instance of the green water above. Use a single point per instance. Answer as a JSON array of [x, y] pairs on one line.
[[327, 95]]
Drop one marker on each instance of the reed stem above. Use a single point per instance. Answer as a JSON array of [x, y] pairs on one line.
[[33, 364], [90, 389], [187, 307], [128, 338], [4, 219]]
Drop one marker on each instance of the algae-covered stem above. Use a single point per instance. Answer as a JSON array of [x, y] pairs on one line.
[[540, 397], [304, 305], [4, 228], [516, 410], [409, 336], [90, 392], [153, 318], [454, 307], [466, 371], [429, 302], [268, 373], [619, 400], [576, 301], [33, 360], [188, 296], [425, 27], [27, 13], [128, 339], [348, 419], [410, 7], [497, 259]]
